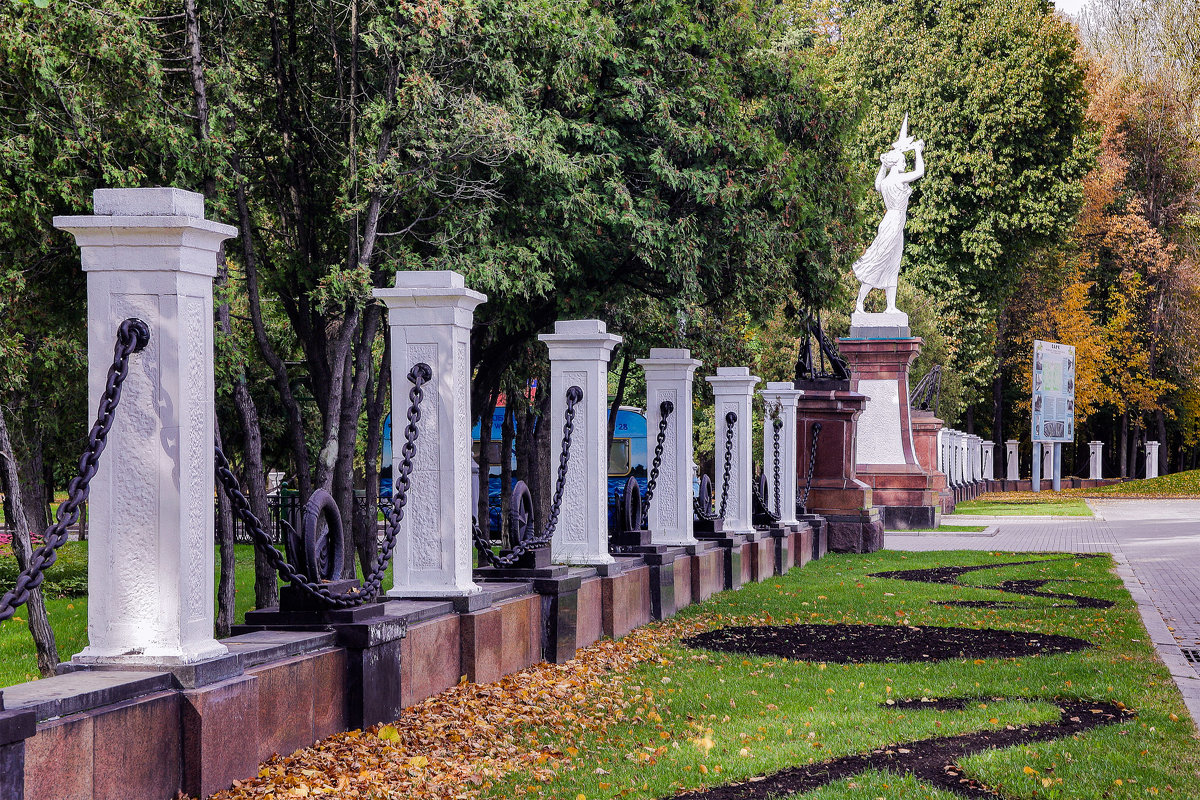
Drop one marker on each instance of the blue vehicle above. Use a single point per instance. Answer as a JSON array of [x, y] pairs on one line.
[[627, 457]]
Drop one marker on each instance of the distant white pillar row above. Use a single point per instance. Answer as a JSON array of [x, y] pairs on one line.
[[151, 254], [579, 355], [783, 397], [960, 474], [1012, 463], [1151, 459], [977, 457], [733, 390], [1096, 460], [988, 455], [941, 451], [669, 375], [430, 314]]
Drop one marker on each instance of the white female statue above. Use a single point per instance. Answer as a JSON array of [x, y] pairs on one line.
[[879, 267]]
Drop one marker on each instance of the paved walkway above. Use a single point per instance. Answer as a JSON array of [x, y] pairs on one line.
[[1157, 548]]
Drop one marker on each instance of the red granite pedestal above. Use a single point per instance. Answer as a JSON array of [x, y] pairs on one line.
[[925, 428], [905, 492], [836, 493]]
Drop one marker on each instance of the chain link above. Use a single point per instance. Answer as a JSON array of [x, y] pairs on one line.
[[665, 408], [730, 421], [484, 545], [132, 337], [812, 463], [419, 375]]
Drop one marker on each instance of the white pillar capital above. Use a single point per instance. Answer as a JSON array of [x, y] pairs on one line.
[[733, 391], [151, 254], [579, 354], [430, 314], [669, 375], [784, 396]]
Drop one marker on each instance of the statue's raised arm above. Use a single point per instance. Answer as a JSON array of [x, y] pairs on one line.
[[879, 266]]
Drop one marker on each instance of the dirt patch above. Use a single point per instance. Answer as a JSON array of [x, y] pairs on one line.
[[932, 761], [1029, 588], [857, 644]]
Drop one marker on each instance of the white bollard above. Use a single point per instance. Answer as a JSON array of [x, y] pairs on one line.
[[151, 254], [1096, 460], [579, 353], [988, 455], [733, 390], [1047, 461], [1012, 460], [1152, 459], [785, 396], [430, 315], [669, 376]]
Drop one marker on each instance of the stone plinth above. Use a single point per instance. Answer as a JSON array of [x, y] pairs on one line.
[[733, 392], [928, 445], [579, 353], [904, 491], [669, 380], [151, 254], [430, 314], [783, 397], [1096, 460], [836, 492]]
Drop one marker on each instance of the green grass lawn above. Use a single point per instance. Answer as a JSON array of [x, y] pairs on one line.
[[66, 606], [696, 718], [945, 529], [996, 505], [1179, 484]]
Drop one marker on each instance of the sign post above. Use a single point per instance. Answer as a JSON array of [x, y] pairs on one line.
[[1053, 415]]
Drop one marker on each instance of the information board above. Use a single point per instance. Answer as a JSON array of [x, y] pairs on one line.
[[1053, 392]]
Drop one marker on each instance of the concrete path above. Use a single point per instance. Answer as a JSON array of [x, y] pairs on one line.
[[1156, 544]]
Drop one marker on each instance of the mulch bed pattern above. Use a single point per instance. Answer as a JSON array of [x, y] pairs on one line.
[[931, 761]]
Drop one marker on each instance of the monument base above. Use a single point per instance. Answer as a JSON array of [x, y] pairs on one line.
[[856, 533], [883, 325]]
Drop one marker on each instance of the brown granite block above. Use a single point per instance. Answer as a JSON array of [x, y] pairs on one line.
[[764, 560], [804, 546], [684, 566], [136, 748], [58, 759], [285, 705], [220, 734], [521, 642], [482, 632], [626, 599], [708, 574], [330, 714], [589, 624], [429, 661], [749, 549]]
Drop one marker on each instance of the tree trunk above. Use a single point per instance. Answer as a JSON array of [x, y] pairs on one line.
[[507, 431], [226, 585], [971, 420], [366, 535], [1160, 421], [541, 486], [22, 546], [1123, 448], [354, 389], [618, 398], [31, 470]]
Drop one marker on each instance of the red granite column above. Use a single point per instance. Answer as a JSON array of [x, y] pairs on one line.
[[836, 493], [904, 490]]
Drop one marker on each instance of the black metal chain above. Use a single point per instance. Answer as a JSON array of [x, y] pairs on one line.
[[730, 421], [665, 408], [132, 337], [419, 375], [484, 545], [777, 424], [812, 463], [701, 512]]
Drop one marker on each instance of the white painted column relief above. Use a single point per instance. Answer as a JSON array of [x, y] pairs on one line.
[[579, 353], [669, 375], [785, 396], [151, 254], [733, 390], [430, 314]]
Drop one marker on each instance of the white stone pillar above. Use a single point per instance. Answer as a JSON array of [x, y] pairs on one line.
[[1012, 460], [669, 375], [977, 457], [579, 353], [733, 390], [1151, 459], [959, 472], [1096, 460], [430, 315], [151, 254], [988, 455], [941, 454], [1036, 465], [786, 396], [1047, 461]]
